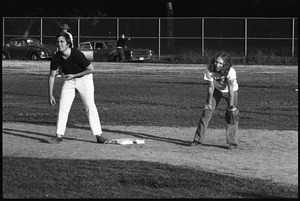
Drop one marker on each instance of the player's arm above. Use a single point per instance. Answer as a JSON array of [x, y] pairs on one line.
[[232, 114], [231, 92], [51, 79], [210, 92]]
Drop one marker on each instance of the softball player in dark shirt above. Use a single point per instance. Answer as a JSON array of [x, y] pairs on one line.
[[78, 76]]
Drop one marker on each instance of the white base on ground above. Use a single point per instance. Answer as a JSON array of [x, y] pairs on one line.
[[126, 141]]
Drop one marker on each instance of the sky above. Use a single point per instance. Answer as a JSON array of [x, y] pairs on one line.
[[150, 8]]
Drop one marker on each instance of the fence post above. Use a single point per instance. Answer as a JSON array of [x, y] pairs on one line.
[[118, 28], [293, 38], [3, 21], [78, 31], [41, 39], [246, 35], [202, 37], [158, 38]]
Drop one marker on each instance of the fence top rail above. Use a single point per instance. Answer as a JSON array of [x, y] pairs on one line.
[[275, 18]]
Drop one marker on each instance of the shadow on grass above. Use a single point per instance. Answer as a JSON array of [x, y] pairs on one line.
[[65, 178], [18, 133], [15, 132], [163, 139]]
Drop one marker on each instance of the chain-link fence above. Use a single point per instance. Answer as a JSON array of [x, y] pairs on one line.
[[168, 36]]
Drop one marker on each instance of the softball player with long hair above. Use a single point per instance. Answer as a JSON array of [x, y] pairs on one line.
[[222, 83]]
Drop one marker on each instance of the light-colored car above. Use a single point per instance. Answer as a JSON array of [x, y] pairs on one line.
[[105, 50], [26, 48]]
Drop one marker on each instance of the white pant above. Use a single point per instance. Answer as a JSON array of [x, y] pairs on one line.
[[85, 87]]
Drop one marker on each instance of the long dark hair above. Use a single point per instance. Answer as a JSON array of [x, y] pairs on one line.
[[226, 66]]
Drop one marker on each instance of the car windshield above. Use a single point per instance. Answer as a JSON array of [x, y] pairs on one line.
[[32, 42], [85, 46]]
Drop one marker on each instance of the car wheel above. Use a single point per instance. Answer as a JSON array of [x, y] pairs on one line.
[[4, 56], [34, 57]]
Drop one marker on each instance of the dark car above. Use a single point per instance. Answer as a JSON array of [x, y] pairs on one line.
[[106, 50], [26, 48]]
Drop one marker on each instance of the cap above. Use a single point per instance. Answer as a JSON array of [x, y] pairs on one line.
[[65, 26]]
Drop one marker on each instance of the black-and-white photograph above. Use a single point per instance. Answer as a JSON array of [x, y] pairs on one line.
[[150, 99]]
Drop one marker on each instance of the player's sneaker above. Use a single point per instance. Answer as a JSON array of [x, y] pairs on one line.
[[101, 139], [195, 143], [56, 140], [232, 146]]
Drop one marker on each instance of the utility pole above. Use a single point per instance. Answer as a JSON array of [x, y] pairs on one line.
[[170, 28]]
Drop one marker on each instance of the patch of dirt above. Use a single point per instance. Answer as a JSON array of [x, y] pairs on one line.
[[264, 154]]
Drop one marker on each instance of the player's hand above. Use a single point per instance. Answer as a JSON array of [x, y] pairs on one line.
[[69, 76], [52, 101], [207, 106], [232, 108]]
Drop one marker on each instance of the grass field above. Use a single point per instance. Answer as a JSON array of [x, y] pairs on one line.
[[36, 178], [156, 95], [143, 95]]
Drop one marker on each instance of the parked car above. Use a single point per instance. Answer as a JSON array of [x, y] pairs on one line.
[[106, 50], [26, 48]]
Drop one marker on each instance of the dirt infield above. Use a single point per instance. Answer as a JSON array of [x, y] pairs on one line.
[[264, 154]]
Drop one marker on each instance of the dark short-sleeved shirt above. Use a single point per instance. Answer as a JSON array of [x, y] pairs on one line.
[[122, 42], [76, 63]]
